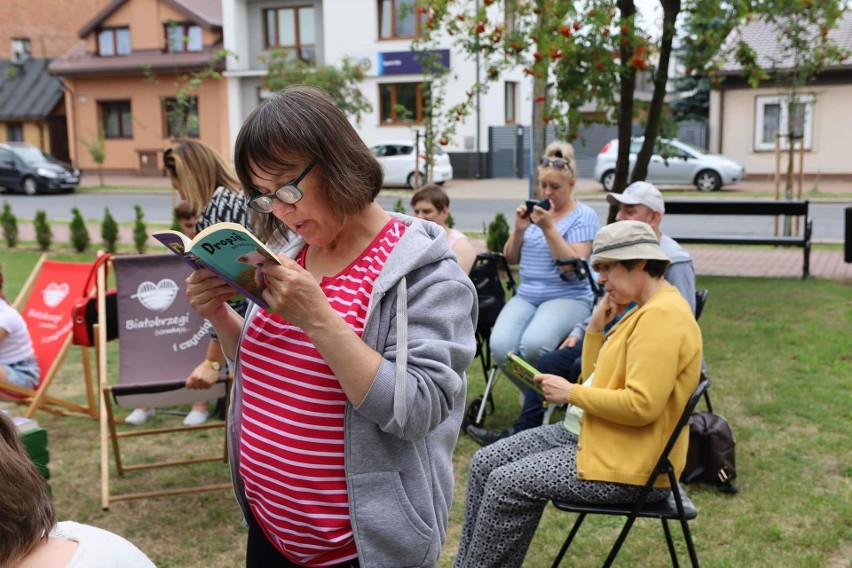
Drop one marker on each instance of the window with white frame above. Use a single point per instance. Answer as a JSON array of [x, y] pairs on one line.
[[510, 111], [785, 115]]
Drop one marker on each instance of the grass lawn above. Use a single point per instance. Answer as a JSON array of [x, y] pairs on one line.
[[778, 352]]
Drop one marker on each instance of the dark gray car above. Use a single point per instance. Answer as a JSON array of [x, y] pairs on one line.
[[27, 168]]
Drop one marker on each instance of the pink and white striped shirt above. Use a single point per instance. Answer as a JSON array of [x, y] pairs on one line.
[[291, 448]]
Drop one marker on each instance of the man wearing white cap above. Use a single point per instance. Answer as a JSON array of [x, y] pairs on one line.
[[641, 201]]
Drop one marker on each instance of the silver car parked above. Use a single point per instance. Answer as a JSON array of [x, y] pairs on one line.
[[673, 162]]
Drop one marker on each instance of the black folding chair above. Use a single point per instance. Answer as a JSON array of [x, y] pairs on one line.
[[677, 506], [490, 270], [700, 300]]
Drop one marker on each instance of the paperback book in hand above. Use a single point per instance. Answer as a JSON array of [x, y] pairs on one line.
[[229, 250], [519, 368]]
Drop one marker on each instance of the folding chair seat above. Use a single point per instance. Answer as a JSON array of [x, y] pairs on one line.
[[678, 506], [45, 303], [161, 340]]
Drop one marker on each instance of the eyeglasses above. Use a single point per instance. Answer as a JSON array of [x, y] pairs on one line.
[[556, 164], [289, 193]]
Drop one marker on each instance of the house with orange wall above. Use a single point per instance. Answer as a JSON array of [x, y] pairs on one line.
[[123, 81]]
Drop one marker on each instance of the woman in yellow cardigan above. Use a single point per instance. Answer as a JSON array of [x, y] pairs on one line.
[[641, 363]]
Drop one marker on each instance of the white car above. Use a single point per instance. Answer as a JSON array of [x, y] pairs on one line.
[[673, 162], [397, 159]]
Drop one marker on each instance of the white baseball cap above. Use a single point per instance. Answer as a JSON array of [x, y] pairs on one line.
[[640, 193]]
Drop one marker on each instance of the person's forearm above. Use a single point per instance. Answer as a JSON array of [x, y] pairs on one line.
[[559, 248], [512, 248], [228, 328], [351, 360], [214, 352]]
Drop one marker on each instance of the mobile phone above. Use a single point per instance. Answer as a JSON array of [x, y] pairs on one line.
[[522, 370], [544, 204]]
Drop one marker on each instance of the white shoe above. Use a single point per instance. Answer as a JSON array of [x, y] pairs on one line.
[[139, 416], [196, 417]]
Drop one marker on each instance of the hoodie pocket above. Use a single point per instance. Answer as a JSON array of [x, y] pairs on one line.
[[388, 529]]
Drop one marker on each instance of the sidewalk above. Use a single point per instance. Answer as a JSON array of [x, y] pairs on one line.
[[709, 260]]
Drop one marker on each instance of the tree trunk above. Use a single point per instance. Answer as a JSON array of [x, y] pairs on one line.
[[625, 111], [671, 8]]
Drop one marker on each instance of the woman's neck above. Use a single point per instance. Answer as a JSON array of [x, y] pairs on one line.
[[653, 286], [49, 553], [357, 232]]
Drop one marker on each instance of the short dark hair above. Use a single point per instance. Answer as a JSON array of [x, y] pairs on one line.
[[26, 511], [183, 210], [432, 193], [653, 266], [300, 125]]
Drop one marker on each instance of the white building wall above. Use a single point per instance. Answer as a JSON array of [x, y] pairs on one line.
[[350, 28]]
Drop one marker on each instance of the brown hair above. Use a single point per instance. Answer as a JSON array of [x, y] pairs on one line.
[[432, 193], [200, 170], [655, 268], [26, 510], [295, 127], [184, 211], [561, 149]]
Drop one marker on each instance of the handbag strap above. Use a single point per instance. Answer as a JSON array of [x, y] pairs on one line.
[[93, 274]]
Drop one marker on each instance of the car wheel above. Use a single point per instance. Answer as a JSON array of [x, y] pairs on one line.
[[708, 180], [30, 186], [608, 180], [410, 180]]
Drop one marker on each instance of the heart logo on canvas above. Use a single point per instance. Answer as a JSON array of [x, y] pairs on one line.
[[157, 297], [54, 293]]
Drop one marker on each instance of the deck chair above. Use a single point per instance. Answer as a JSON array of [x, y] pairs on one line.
[[45, 302], [677, 506], [161, 339]]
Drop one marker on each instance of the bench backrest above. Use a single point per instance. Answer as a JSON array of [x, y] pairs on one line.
[[735, 207]]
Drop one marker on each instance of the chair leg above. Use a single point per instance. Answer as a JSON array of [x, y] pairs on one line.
[[489, 384], [568, 540], [670, 542], [619, 541], [690, 546]]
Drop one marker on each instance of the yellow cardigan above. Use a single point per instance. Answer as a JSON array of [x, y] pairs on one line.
[[645, 371]]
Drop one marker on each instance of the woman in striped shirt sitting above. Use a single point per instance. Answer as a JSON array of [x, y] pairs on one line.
[[350, 387]]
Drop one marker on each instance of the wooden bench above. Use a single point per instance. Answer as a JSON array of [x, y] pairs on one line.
[[746, 207]]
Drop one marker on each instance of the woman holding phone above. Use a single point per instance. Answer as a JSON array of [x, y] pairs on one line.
[[546, 306]]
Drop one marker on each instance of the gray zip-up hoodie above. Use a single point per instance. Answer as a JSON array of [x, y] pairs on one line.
[[399, 442]]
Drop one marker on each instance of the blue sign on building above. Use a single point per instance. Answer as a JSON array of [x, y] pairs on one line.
[[408, 62]]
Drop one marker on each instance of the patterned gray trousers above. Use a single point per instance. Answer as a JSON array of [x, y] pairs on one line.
[[511, 481]]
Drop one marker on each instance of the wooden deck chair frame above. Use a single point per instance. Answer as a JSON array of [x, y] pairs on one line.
[[38, 399], [110, 436]]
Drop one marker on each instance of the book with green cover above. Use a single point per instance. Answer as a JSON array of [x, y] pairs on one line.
[[229, 250], [522, 370]]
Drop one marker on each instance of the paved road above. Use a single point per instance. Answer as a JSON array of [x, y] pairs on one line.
[[471, 213]]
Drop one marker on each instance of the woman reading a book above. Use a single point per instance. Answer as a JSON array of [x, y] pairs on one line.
[[636, 380], [208, 186], [18, 363], [350, 387]]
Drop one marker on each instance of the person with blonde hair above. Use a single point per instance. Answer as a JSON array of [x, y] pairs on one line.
[[18, 363], [30, 537], [547, 304], [208, 184]]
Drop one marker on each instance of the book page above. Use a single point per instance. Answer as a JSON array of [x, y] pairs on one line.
[[178, 243]]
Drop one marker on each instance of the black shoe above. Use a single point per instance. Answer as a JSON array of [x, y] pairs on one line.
[[484, 437]]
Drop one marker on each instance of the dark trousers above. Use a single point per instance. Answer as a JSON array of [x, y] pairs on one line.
[[566, 363], [260, 553]]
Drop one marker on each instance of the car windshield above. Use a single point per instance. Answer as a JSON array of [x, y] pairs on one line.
[[32, 155]]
